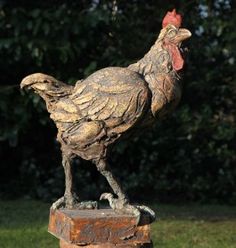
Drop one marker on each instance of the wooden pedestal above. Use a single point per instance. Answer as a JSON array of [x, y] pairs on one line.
[[101, 228]]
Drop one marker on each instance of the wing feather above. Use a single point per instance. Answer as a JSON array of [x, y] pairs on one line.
[[83, 98], [84, 107], [114, 95], [98, 106]]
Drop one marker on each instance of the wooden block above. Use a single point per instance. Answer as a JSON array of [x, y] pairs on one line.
[[98, 228]]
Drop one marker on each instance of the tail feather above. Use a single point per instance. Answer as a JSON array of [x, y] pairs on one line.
[[37, 78]]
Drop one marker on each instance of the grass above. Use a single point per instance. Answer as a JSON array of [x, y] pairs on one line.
[[195, 226], [23, 224]]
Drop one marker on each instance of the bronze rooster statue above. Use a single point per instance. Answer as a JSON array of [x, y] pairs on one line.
[[108, 105]]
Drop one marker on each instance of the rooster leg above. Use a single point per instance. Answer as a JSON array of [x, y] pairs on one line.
[[70, 199], [121, 204], [105, 170]]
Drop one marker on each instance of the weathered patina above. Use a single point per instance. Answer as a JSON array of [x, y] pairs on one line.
[[112, 103], [99, 228]]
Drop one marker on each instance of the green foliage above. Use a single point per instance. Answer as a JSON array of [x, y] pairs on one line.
[[189, 156]]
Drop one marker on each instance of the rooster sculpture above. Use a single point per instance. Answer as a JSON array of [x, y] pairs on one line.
[[109, 104]]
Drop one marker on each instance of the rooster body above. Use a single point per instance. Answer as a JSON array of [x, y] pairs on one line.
[[100, 109], [109, 104]]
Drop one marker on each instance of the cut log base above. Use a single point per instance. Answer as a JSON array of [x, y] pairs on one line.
[[101, 228]]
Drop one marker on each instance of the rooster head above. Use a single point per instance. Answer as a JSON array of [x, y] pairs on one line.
[[172, 36], [43, 84]]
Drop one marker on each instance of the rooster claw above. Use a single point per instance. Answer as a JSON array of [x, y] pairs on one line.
[[148, 211], [121, 206], [73, 203], [59, 204]]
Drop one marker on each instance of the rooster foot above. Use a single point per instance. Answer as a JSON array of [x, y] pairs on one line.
[[122, 206], [73, 203]]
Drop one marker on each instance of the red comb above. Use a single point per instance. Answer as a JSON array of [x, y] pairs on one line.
[[172, 18]]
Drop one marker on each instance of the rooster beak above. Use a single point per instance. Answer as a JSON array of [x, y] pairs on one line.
[[182, 35]]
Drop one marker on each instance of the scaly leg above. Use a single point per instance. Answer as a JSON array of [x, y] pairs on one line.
[[70, 199], [104, 169], [120, 204]]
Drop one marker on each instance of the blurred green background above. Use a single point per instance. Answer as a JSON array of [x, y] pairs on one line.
[[189, 157]]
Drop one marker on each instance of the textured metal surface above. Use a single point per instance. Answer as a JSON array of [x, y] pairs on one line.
[[112, 103]]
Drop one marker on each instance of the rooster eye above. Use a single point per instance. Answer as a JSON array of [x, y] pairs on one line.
[[169, 65], [172, 33]]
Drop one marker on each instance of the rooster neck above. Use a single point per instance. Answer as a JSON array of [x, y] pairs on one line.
[[166, 93], [163, 81], [156, 67], [157, 60]]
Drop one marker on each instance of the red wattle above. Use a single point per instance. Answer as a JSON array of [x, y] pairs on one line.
[[177, 60]]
